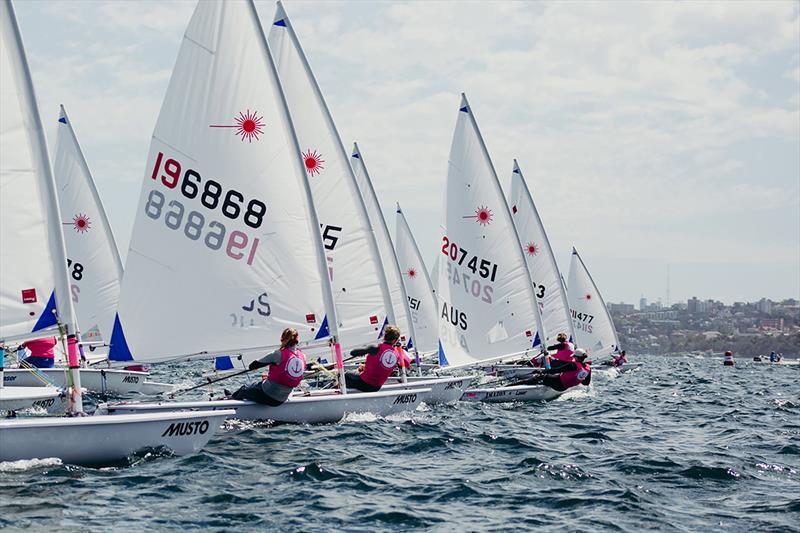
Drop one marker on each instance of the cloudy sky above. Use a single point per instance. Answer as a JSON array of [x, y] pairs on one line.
[[651, 133]]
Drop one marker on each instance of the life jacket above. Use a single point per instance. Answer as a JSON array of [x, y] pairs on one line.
[[289, 372], [380, 366], [42, 347], [620, 360], [728, 359], [573, 378], [565, 353]]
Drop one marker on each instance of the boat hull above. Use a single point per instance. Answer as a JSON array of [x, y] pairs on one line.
[[97, 380], [443, 390], [519, 393], [13, 398], [318, 408], [100, 440]]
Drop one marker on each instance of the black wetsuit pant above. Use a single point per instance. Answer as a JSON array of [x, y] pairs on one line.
[[550, 380], [255, 393], [354, 381]]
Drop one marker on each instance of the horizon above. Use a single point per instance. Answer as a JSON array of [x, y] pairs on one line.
[[653, 136]]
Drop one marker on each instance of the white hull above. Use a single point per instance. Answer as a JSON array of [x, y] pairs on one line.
[[92, 379], [443, 390], [98, 440], [13, 398], [789, 362], [313, 409], [519, 393]]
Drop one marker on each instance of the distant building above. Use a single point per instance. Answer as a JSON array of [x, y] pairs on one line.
[[642, 304], [764, 306], [771, 324], [691, 305], [621, 308]]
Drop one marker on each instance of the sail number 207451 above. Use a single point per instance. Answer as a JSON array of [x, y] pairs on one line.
[[482, 267]]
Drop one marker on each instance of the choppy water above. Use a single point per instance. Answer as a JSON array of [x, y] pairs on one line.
[[683, 444]]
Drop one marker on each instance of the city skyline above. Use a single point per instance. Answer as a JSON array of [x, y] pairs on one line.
[[653, 135]]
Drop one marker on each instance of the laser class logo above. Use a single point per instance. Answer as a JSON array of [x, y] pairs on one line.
[[411, 273], [247, 125], [313, 162], [80, 223], [586, 296], [532, 249], [483, 215]]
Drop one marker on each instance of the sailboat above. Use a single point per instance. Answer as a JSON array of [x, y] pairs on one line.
[[594, 328], [95, 272], [419, 288], [488, 310], [542, 266], [226, 249], [443, 389], [34, 293]]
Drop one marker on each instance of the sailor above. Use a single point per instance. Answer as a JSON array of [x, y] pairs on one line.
[[564, 350], [728, 361], [286, 368], [619, 360], [773, 357], [42, 352], [381, 362], [577, 372]]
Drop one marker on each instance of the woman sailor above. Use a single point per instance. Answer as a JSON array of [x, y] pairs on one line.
[[380, 363], [286, 367], [577, 372]]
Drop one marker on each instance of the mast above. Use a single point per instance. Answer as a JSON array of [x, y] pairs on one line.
[[520, 256], [344, 161], [36, 138], [550, 257], [322, 265]]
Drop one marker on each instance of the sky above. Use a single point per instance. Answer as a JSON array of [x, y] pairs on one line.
[[655, 136]]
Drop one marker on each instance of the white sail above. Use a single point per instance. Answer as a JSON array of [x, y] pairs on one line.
[[394, 278], [419, 288], [360, 290], [594, 328], [542, 265], [32, 258], [225, 251], [94, 265], [486, 303]]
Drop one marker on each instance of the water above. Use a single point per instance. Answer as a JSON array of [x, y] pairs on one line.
[[683, 445]]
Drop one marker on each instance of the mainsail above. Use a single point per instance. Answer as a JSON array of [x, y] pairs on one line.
[[225, 251], [542, 265], [33, 258], [394, 278], [419, 289], [31, 240], [360, 289], [94, 265], [486, 303], [594, 329]]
